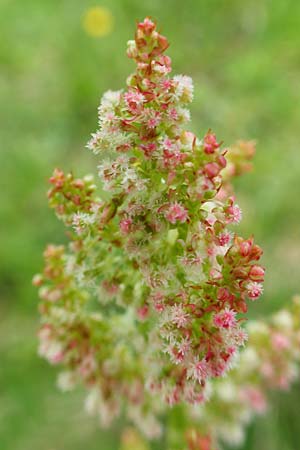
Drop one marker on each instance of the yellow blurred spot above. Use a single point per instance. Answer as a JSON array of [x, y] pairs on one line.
[[131, 440], [98, 21]]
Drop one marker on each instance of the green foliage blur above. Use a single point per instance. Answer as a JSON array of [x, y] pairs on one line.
[[244, 57]]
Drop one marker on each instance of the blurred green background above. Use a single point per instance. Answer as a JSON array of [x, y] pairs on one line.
[[244, 57]]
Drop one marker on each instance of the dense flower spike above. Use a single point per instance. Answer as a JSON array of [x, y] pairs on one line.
[[145, 304], [170, 181]]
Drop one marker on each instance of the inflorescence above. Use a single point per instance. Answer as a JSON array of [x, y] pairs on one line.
[[146, 304]]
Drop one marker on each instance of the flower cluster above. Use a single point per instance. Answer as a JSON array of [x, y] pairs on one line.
[[174, 224], [145, 304], [270, 361]]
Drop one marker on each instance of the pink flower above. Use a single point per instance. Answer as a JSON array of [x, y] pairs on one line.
[[94, 141], [176, 213], [183, 347], [198, 370], [134, 100], [217, 368], [224, 238], [168, 144], [158, 301], [125, 225], [57, 358], [173, 114], [88, 365], [255, 397], [210, 143], [173, 158], [148, 148], [166, 84], [215, 274], [240, 337], [235, 214], [161, 68], [173, 397], [142, 312], [179, 316], [153, 118], [280, 341], [225, 319], [254, 290]]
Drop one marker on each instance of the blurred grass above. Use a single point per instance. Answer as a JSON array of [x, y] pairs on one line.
[[244, 57]]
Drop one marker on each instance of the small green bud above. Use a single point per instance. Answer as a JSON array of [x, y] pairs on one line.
[[172, 236]]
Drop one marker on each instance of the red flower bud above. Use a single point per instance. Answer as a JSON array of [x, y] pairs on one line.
[[256, 253], [240, 272], [142, 312], [211, 169], [222, 161], [223, 294], [241, 306], [210, 143], [147, 26], [163, 43], [245, 247], [78, 183], [256, 273]]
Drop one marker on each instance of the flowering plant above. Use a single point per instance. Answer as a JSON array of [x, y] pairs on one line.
[[146, 304]]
